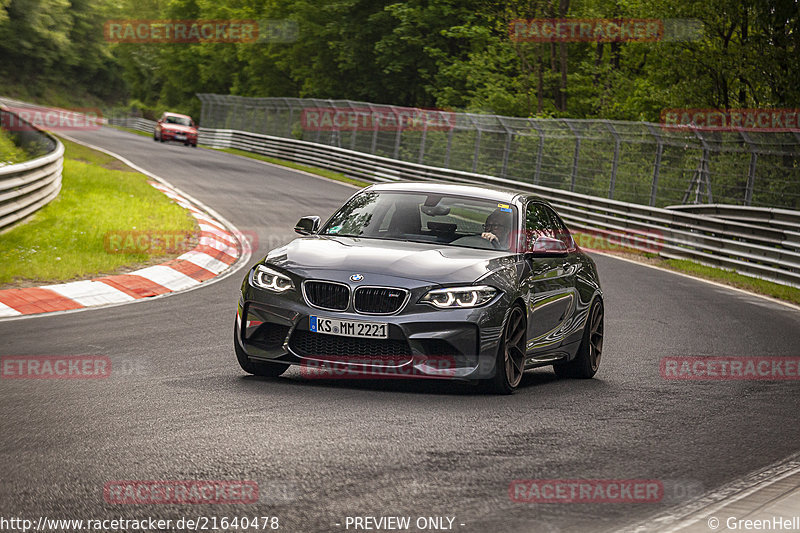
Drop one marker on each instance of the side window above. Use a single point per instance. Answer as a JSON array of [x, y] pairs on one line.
[[561, 232], [537, 223]]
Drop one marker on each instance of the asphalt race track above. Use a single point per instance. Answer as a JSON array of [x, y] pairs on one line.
[[180, 408]]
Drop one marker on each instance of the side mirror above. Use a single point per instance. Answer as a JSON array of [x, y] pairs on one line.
[[307, 225], [548, 247]]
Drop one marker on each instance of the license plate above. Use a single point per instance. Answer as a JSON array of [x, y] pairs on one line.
[[349, 328], [180, 137]]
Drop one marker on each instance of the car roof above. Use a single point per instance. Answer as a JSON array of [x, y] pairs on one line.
[[446, 188], [177, 115]]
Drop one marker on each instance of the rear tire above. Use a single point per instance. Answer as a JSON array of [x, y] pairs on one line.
[[587, 361], [510, 362], [267, 370]]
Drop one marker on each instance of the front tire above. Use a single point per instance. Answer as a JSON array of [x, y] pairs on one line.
[[587, 361], [510, 363], [267, 370]]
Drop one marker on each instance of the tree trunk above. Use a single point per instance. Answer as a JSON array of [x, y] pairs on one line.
[[562, 13]]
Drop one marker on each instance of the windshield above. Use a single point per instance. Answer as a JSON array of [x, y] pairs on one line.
[[423, 217], [183, 121]]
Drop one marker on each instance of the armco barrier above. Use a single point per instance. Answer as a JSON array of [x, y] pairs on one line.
[[29, 186], [748, 246]]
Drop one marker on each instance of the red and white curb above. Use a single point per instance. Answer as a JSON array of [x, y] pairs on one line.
[[217, 251]]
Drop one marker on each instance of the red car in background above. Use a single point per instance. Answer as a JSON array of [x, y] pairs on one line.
[[176, 127]]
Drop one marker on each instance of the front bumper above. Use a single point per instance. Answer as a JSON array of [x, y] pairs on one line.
[[178, 137], [423, 341]]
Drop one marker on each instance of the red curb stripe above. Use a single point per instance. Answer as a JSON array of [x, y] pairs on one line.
[[190, 269], [211, 222], [216, 254], [36, 300], [133, 285], [228, 239]]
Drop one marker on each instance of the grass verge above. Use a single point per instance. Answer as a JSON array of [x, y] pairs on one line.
[[10, 153], [87, 230], [719, 275]]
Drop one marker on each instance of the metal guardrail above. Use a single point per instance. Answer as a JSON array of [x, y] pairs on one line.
[[754, 249], [138, 124], [29, 186], [763, 216]]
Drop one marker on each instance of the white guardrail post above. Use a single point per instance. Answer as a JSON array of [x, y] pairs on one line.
[[29, 186], [732, 237]]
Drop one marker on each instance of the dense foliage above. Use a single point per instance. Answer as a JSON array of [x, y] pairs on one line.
[[430, 53]]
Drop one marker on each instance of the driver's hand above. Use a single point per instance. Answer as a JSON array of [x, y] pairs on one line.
[[489, 236]]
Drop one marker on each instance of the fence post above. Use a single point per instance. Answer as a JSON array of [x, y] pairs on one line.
[[398, 135], [540, 154], [575, 156], [656, 163], [615, 162], [203, 109], [506, 148], [355, 125], [449, 146], [477, 144], [703, 170], [751, 172], [421, 158], [291, 117]]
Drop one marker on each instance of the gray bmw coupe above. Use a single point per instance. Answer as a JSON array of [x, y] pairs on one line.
[[425, 280]]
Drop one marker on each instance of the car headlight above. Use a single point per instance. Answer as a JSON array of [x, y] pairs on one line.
[[266, 278], [459, 297]]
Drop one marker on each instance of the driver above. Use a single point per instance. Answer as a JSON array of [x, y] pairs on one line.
[[497, 228]]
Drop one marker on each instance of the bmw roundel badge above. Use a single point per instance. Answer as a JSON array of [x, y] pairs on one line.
[[356, 277]]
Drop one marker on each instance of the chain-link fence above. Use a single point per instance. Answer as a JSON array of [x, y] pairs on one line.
[[636, 162]]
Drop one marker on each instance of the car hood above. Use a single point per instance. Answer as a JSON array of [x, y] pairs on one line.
[[179, 128], [314, 256]]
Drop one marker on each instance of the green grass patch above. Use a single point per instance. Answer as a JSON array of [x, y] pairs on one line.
[[10, 153], [73, 236], [337, 176]]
